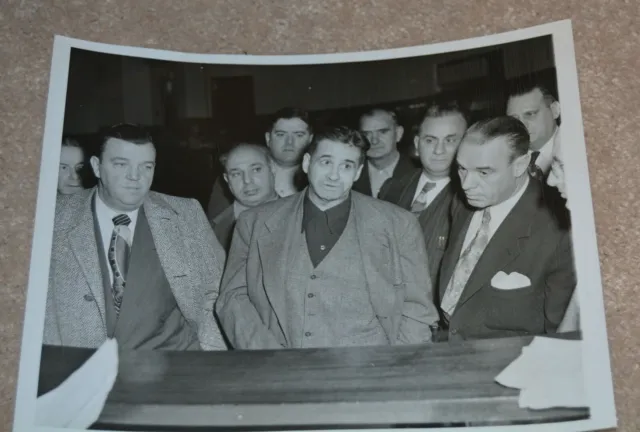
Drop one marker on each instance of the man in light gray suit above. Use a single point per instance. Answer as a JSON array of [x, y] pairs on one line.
[[130, 264], [328, 266]]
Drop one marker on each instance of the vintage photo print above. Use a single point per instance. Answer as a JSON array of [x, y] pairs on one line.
[[356, 241]]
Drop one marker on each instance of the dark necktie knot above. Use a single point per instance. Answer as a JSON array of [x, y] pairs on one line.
[[121, 219], [534, 157]]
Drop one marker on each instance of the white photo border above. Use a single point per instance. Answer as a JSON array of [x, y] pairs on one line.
[[596, 361]]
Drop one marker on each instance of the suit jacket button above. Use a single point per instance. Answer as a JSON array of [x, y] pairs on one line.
[[313, 276], [89, 297]]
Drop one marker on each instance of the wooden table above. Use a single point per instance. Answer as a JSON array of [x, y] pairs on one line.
[[423, 386]]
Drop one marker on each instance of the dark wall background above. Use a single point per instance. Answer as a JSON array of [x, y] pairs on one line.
[[195, 112]]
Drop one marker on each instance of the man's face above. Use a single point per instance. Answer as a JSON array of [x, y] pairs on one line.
[[437, 142], [382, 132], [537, 115], [332, 169], [487, 174], [556, 175], [125, 172], [71, 162], [288, 140], [249, 176]]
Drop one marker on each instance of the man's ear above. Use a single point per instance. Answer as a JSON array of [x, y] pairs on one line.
[[306, 160], [359, 172], [267, 139], [225, 177], [521, 164], [399, 133], [95, 165], [555, 109]]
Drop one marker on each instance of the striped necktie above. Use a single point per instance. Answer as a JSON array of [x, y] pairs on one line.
[[118, 256], [534, 170], [420, 203], [466, 263]]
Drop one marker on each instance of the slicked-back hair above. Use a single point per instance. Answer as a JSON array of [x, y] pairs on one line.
[[288, 113], [344, 135], [224, 158], [505, 126], [442, 108], [528, 84], [128, 132], [373, 111]]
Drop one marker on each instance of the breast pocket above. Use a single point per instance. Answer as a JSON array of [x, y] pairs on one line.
[[518, 310]]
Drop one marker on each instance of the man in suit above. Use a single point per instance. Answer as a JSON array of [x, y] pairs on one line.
[[534, 105], [508, 268], [384, 161], [251, 181], [428, 191], [130, 264], [288, 136], [328, 266]]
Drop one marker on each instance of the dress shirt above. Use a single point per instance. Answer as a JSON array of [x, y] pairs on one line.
[[440, 184], [377, 177], [323, 228], [105, 214], [546, 154]]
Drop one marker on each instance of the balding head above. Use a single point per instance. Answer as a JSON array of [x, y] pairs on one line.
[[247, 171]]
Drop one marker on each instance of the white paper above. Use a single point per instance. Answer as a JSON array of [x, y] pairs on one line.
[[548, 374], [79, 400]]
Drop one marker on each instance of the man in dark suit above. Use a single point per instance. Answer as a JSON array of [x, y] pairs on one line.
[[289, 135], [130, 264], [508, 269], [328, 266], [428, 191], [384, 161], [251, 181]]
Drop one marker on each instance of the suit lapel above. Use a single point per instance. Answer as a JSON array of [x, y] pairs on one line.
[[274, 249], [167, 237], [505, 245], [82, 240], [458, 231], [406, 196]]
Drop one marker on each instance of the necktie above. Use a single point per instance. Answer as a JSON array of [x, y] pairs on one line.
[[466, 264], [420, 203], [119, 257], [534, 170]]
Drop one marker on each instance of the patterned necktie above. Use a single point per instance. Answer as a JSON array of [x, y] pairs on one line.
[[466, 264], [119, 257], [534, 170], [420, 203]]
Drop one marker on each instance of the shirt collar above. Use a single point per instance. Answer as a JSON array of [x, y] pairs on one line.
[[390, 168], [333, 217], [103, 209], [500, 211]]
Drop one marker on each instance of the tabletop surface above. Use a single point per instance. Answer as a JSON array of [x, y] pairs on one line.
[[434, 384]]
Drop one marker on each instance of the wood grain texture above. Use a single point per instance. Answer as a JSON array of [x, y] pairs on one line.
[[606, 39], [428, 385]]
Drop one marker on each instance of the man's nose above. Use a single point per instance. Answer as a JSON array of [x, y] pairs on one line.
[[133, 173], [439, 148], [288, 139]]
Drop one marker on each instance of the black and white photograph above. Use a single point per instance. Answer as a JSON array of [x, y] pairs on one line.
[[354, 241]]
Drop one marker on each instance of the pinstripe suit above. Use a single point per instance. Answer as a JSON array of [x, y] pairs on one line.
[[252, 302], [190, 255], [435, 220]]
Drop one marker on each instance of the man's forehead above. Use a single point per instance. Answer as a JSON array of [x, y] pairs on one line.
[[377, 119], [476, 150], [246, 156], [337, 150], [117, 145], [450, 123], [531, 99]]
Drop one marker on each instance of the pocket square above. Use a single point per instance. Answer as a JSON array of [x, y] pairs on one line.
[[515, 280]]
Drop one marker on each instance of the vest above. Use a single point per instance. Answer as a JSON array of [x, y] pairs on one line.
[[149, 316], [329, 306]]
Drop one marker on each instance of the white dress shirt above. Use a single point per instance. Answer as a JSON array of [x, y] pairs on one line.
[[377, 177], [498, 214], [546, 154], [433, 193], [284, 179], [105, 214]]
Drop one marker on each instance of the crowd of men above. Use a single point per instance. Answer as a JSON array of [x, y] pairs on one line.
[[323, 238]]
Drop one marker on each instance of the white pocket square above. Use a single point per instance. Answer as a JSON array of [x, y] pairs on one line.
[[510, 281]]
